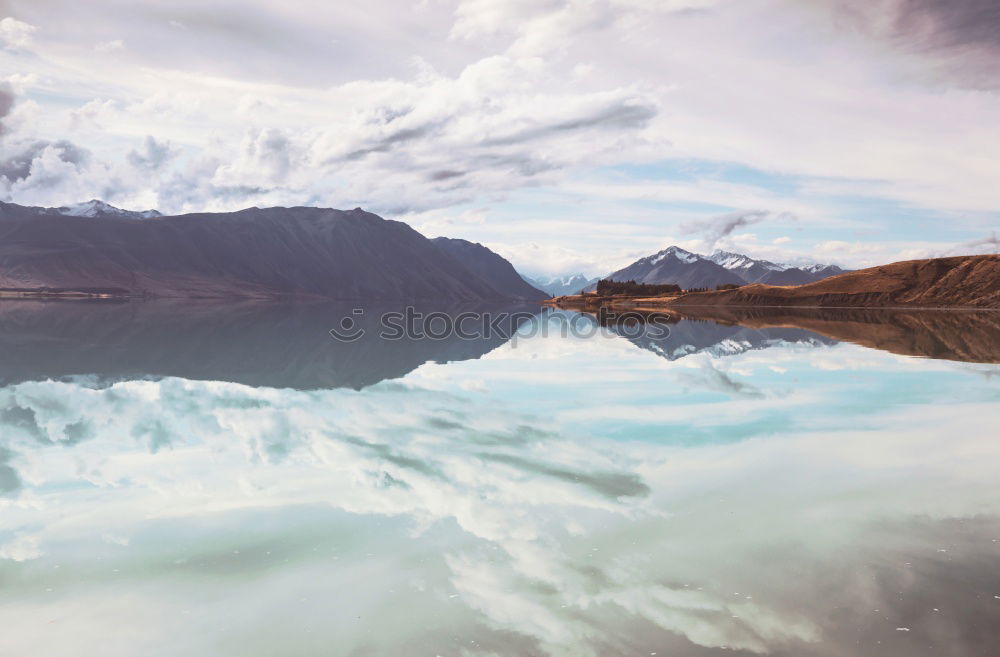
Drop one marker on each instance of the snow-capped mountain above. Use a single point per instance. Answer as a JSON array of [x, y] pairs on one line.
[[692, 270], [95, 208], [773, 273], [559, 286], [720, 340], [679, 267]]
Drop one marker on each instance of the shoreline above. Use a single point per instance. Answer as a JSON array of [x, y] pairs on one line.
[[660, 304]]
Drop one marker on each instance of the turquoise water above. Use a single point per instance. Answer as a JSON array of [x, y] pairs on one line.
[[727, 491]]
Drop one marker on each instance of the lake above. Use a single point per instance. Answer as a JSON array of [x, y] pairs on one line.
[[211, 480]]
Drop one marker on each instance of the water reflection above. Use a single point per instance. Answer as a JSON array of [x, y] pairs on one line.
[[555, 496], [964, 335], [258, 344], [691, 335]]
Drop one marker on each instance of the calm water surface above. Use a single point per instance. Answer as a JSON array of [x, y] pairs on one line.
[[208, 481]]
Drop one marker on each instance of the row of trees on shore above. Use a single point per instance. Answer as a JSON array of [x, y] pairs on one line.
[[608, 288]]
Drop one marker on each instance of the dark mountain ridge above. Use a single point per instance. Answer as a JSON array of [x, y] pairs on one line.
[[252, 253], [491, 267]]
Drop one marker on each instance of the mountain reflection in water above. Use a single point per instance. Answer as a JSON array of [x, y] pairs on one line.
[[212, 480], [257, 344]]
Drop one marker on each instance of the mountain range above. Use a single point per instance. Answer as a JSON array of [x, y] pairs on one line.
[[95, 208], [489, 266], [558, 286], [305, 251], [772, 273], [692, 270], [252, 253], [955, 281]]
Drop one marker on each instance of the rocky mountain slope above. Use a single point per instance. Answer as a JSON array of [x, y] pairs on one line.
[[961, 281], [253, 253], [773, 273], [491, 267]]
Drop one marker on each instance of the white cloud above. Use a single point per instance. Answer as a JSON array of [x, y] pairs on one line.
[[15, 34], [521, 518], [21, 548], [524, 96], [110, 46]]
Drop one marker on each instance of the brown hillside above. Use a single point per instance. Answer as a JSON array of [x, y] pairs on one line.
[[965, 335], [961, 281]]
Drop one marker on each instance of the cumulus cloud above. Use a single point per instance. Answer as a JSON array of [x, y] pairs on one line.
[[152, 156], [15, 34], [21, 548], [41, 158], [545, 534], [558, 101]]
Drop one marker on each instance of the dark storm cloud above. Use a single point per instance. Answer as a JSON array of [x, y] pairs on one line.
[[18, 166], [963, 34]]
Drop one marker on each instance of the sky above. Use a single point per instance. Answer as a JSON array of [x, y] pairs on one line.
[[567, 135]]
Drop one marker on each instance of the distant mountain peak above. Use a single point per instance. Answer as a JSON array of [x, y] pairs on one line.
[[98, 208], [679, 266], [731, 260], [562, 284], [675, 251]]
